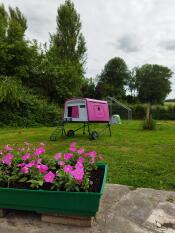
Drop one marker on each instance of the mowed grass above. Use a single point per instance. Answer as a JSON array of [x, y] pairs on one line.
[[135, 157]]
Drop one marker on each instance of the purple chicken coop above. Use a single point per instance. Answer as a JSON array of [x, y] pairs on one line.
[[85, 111]]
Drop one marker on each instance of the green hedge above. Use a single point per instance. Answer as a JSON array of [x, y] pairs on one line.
[[31, 112], [163, 112]]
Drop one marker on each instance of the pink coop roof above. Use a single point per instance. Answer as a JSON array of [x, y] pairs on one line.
[[96, 101], [88, 99]]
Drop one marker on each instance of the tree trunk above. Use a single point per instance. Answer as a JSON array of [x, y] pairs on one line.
[[148, 114]]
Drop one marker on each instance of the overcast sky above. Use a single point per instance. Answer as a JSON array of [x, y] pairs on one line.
[[139, 31]]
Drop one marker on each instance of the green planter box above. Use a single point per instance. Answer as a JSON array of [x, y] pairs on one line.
[[66, 203]]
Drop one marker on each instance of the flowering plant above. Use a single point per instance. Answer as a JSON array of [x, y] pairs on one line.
[[29, 167]]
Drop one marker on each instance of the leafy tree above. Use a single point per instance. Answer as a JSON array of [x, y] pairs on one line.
[[15, 51], [68, 39], [113, 78], [3, 22], [88, 88], [11, 91], [153, 85], [3, 45], [66, 55], [131, 82], [17, 25]]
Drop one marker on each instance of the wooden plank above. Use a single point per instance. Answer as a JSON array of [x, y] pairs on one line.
[[67, 220]]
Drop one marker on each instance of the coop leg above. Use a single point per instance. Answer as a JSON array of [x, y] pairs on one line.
[[84, 127], [89, 129], [109, 126]]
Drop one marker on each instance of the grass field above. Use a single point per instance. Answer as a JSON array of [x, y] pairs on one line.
[[135, 157], [169, 103]]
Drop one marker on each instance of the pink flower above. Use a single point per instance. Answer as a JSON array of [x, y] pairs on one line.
[[42, 168], [68, 156], [7, 159], [93, 153], [79, 165], [31, 164], [1, 152], [21, 164], [80, 151], [92, 160], [68, 169], [8, 148], [38, 161], [25, 157], [39, 151], [20, 149], [73, 149], [80, 159], [25, 170], [61, 163], [49, 177], [57, 156], [42, 144], [78, 174], [101, 157], [73, 144], [86, 154]]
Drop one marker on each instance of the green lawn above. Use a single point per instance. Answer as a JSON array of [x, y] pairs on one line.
[[135, 157]]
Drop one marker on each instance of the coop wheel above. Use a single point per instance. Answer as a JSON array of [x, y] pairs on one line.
[[94, 135], [53, 138], [70, 133]]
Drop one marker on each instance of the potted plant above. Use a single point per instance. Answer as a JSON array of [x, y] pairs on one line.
[[69, 184]]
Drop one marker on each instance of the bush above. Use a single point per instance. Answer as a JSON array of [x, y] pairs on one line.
[[149, 124], [32, 111], [159, 112], [164, 112]]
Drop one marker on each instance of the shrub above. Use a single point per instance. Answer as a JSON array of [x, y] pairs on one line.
[[149, 124], [31, 111]]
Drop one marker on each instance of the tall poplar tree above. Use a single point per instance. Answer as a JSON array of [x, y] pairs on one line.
[[67, 54]]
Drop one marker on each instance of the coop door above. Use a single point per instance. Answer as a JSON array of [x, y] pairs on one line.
[[99, 111], [73, 111]]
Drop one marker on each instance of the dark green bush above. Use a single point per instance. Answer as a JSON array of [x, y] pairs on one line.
[[164, 112], [149, 124], [32, 111], [159, 112]]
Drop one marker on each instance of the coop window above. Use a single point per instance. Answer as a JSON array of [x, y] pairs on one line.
[[82, 106], [98, 108]]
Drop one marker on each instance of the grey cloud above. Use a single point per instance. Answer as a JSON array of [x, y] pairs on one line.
[[128, 43], [168, 44]]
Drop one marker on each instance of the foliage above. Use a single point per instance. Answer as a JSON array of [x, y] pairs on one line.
[[15, 51], [159, 112], [150, 125], [31, 111], [153, 86], [66, 56], [153, 83], [131, 82], [27, 166], [11, 91], [113, 78], [88, 88]]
